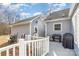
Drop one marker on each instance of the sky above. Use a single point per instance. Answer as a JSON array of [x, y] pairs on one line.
[[25, 10]]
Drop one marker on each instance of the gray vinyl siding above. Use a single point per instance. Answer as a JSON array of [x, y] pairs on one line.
[[41, 28], [66, 27], [40, 25], [22, 29], [32, 26]]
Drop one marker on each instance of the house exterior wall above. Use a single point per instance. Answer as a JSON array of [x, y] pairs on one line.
[[75, 31], [40, 27], [21, 29], [66, 27]]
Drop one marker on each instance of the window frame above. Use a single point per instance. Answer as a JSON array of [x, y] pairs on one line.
[[54, 27]]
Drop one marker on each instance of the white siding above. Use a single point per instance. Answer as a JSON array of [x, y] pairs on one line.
[[40, 25], [75, 31], [21, 29], [41, 28]]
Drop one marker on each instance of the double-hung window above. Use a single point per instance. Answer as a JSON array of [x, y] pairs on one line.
[[57, 27]]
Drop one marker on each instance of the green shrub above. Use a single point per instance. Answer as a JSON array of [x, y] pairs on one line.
[[13, 38]]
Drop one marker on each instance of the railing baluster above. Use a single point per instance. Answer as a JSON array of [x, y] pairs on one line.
[[32, 48], [35, 48], [48, 44], [0, 53], [39, 48], [7, 52], [21, 47], [25, 49], [29, 49], [43, 46], [14, 50]]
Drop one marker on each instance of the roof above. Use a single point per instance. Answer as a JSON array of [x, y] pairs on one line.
[[26, 20], [58, 14]]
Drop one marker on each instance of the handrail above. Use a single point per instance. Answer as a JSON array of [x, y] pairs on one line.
[[8, 47], [34, 36], [36, 40], [37, 47]]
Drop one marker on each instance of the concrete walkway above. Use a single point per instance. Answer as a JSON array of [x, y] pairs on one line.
[[56, 49]]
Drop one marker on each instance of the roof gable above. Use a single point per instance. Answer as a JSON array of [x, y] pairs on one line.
[[58, 14]]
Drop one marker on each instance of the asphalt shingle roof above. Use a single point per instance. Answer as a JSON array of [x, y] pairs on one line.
[[58, 14], [26, 20]]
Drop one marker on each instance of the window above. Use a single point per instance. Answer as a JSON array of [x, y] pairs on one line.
[[57, 27]]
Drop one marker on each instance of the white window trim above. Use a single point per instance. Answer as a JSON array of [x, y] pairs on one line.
[[57, 30]]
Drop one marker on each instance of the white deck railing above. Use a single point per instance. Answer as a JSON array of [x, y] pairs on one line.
[[38, 47], [7, 49]]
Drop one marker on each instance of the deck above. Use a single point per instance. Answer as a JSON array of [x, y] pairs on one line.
[[56, 49]]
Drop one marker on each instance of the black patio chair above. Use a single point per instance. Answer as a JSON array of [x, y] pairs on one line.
[[56, 36]]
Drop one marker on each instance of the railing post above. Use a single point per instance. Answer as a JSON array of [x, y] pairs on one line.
[[21, 47], [28, 37], [48, 43]]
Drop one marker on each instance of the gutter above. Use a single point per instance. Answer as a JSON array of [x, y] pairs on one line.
[[26, 22], [59, 19]]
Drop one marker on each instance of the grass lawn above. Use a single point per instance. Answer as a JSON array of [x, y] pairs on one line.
[[3, 40]]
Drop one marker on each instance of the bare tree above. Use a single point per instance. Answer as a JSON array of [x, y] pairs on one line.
[[50, 8]]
